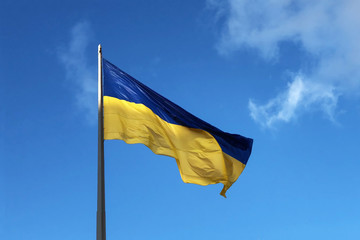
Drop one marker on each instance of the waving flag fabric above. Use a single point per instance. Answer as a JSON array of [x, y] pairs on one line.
[[136, 114]]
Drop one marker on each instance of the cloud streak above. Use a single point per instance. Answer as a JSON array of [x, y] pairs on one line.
[[326, 30], [79, 73], [299, 96]]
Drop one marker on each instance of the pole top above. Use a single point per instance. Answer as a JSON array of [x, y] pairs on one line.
[[99, 48]]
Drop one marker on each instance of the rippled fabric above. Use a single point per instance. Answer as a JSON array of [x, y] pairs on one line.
[[136, 114]]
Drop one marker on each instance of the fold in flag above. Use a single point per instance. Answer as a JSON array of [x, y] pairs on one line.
[[136, 114]]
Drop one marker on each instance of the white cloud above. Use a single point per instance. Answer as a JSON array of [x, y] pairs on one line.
[[82, 77], [300, 94], [326, 30]]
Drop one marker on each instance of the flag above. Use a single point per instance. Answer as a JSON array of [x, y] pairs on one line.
[[136, 114]]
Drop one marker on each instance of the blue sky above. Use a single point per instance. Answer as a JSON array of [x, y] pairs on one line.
[[285, 73]]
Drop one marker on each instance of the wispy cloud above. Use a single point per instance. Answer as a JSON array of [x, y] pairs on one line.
[[81, 75], [326, 30], [300, 95]]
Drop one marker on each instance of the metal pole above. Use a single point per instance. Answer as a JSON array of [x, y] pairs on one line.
[[100, 214]]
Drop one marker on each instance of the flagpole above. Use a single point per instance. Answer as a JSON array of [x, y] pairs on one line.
[[100, 215]]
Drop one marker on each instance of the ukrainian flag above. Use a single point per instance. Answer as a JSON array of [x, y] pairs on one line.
[[137, 114]]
